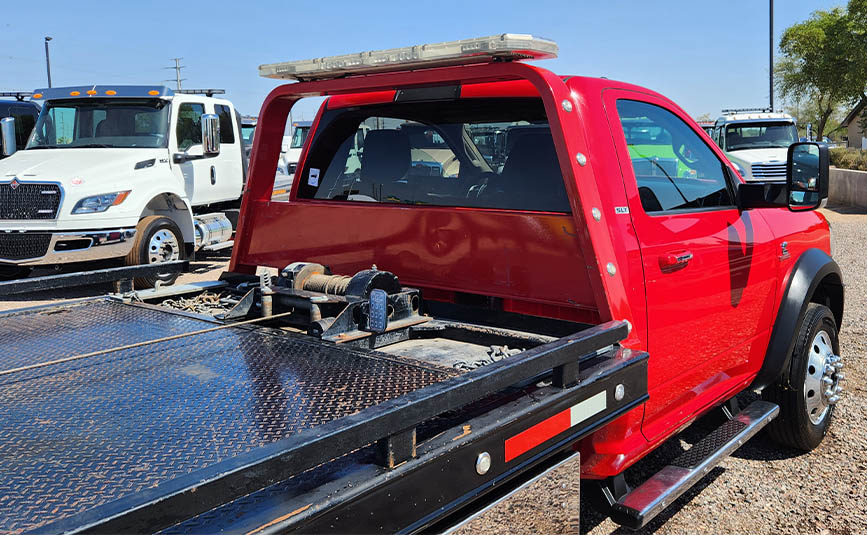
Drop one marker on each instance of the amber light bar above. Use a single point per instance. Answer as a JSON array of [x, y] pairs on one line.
[[503, 47]]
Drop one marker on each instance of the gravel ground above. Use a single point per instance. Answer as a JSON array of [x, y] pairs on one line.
[[761, 489]]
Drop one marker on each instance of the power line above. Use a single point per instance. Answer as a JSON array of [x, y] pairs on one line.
[[177, 69]]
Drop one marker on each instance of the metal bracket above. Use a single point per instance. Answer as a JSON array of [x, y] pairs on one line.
[[396, 449]]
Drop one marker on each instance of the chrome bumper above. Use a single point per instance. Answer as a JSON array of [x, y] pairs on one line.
[[80, 246]]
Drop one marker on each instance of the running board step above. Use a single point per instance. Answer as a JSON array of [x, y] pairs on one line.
[[644, 502]]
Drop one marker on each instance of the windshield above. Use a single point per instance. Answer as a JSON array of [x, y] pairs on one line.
[[298, 137], [103, 123], [755, 135], [247, 134]]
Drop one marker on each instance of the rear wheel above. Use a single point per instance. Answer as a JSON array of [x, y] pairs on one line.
[[806, 407], [157, 239], [8, 273]]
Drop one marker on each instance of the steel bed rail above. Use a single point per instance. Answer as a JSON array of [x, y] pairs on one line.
[[87, 278], [191, 494]]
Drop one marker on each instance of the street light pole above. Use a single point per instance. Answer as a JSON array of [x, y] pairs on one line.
[[771, 56], [47, 61]]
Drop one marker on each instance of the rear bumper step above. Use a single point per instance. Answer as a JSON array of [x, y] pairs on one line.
[[650, 498]]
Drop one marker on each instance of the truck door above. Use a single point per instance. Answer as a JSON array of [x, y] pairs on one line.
[[188, 138], [709, 268]]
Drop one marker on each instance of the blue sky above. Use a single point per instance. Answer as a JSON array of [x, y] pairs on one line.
[[705, 55]]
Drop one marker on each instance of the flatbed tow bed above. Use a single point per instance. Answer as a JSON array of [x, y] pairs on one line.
[[126, 417]]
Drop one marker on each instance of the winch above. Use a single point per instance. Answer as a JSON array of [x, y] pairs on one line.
[[368, 309]]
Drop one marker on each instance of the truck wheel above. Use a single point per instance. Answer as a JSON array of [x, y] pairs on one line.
[[807, 406], [8, 273], [157, 239]]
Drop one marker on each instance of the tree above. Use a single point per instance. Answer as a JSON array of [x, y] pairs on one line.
[[704, 117], [819, 67], [808, 112]]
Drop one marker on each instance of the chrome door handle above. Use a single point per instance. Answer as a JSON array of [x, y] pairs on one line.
[[670, 260]]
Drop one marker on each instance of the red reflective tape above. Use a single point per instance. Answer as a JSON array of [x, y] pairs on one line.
[[553, 426], [539, 433]]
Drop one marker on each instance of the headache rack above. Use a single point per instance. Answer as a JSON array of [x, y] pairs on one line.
[[126, 417]]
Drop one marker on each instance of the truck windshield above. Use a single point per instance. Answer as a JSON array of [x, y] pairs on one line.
[[755, 135], [482, 153], [102, 123], [247, 133], [298, 137]]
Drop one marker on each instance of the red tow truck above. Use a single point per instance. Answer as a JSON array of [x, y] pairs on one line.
[[442, 329]]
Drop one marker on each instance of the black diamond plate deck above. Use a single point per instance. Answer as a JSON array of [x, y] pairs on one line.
[[78, 435]]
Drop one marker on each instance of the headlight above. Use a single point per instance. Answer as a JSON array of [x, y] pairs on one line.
[[99, 203]]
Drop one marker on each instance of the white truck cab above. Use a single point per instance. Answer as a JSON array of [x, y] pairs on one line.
[[757, 142], [143, 173]]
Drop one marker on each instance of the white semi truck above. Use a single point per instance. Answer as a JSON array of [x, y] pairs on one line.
[[756, 141], [140, 173]]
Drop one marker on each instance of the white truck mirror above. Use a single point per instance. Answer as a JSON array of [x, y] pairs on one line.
[[210, 134], [7, 136]]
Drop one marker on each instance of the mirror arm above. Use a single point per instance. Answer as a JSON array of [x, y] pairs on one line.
[[761, 195]]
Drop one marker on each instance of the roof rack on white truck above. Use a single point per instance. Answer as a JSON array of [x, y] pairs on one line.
[[141, 173]]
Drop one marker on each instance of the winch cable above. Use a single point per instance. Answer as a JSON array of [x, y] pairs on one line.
[[138, 344]]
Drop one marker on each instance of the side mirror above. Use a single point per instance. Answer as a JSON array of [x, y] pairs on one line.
[[210, 134], [806, 176], [7, 136]]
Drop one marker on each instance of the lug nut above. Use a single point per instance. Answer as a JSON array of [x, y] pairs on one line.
[[833, 400], [829, 370], [840, 377], [828, 381], [828, 393], [838, 389], [838, 365]]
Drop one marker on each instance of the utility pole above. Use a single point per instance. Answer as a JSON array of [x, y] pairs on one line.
[[771, 56], [47, 60], [177, 69]]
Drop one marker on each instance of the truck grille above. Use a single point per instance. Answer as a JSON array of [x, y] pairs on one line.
[[23, 245], [769, 171], [29, 200]]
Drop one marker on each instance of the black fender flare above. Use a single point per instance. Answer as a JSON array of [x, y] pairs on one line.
[[813, 268]]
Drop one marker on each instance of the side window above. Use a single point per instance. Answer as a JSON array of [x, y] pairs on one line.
[[189, 127], [25, 120], [227, 132], [673, 167]]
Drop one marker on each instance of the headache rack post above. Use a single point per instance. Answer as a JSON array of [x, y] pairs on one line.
[[392, 422]]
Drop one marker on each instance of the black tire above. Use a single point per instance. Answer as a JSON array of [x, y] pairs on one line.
[[140, 254], [8, 273], [794, 427]]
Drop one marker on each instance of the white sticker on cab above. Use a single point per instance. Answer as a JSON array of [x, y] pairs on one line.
[[621, 209], [313, 177]]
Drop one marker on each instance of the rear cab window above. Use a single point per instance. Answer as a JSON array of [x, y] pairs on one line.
[[481, 153], [227, 131]]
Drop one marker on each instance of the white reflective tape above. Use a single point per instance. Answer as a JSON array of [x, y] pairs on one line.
[[587, 408]]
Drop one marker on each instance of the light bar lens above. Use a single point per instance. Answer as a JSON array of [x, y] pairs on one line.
[[507, 46]]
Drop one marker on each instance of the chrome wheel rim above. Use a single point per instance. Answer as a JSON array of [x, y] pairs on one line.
[[163, 247], [822, 382]]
